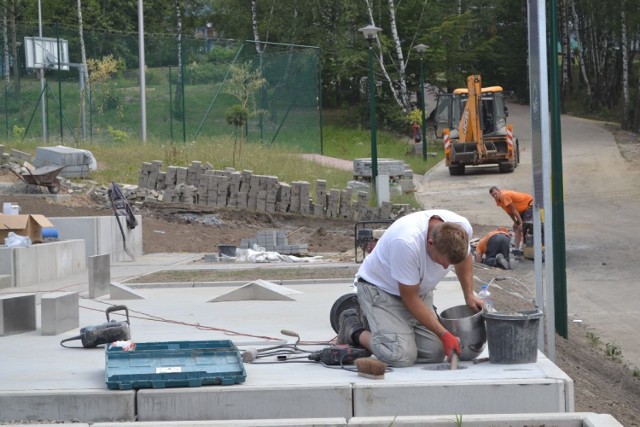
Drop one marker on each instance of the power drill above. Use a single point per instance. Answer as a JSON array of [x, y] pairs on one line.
[[341, 354], [105, 333]]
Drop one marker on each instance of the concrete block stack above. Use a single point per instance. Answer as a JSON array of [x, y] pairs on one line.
[[150, 174], [333, 203], [300, 201], [394, 169], [283, 197], [201, 184], [319, 206], [234, 188], [274, 240], [345, 202]]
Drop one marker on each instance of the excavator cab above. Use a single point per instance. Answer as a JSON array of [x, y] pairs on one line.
[[493, 114], [473, 124]]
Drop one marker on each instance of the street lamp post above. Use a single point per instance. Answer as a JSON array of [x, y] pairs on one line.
[[421, 48], [369, 32]]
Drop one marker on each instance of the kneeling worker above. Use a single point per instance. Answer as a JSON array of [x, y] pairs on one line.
[[493, 249], [395, 320]]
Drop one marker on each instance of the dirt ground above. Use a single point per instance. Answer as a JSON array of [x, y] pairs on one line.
[[603, 384]]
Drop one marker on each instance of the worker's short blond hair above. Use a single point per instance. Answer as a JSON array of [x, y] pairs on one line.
[[451, 240]]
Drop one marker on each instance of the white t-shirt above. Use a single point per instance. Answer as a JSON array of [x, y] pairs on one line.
[[400, 256]]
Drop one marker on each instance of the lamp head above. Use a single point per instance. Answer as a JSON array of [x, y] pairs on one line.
[[421, 48], [369, 32]]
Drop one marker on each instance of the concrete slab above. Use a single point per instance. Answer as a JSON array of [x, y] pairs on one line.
[[99, 274], [575, 419], [95, 405], [299, 422], [5, 280], [42, 262], [17, 314], [59, 312], [102, 235], [118, 291], [275, 389], [247, 402], [273, 393]]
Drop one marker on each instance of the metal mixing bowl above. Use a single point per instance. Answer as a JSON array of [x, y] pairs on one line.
[[462, 322]]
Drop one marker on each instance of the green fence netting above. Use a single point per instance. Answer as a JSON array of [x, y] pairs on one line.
[[191, 85]]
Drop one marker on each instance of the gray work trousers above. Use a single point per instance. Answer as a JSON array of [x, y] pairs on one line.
[[398, 339]]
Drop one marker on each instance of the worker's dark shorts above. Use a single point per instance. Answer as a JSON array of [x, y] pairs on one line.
[[527, 216]]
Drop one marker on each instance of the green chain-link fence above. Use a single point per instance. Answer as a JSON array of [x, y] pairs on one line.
[[285, 110]]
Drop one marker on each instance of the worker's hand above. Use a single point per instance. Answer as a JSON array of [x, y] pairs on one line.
[[450, 344], [474, 303], [517, 225]]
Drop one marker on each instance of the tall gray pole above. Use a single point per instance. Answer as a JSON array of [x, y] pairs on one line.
[[143, 86], [42, 98], [541, 163]]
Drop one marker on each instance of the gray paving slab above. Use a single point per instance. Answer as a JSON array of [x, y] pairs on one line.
[[40, 378]]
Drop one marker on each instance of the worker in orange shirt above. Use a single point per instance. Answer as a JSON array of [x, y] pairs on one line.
[[493, 249], [519, 206]]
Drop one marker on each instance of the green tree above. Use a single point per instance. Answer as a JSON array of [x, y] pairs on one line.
[[237, 116], [243, 84]]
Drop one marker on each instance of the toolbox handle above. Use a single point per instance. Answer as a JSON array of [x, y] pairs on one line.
[[117, 308]]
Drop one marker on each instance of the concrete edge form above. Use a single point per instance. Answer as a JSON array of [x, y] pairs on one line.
[[284, 422], [94, 405], [224, 403], [347, 281], [576, 419], [583, 419], [422, 399]]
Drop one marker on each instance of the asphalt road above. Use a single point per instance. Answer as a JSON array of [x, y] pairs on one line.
[[601, 209]]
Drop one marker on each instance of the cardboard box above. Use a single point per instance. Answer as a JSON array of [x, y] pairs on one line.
[[23, 225]]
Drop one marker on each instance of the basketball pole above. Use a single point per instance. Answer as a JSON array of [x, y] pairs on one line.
[[42, 82]]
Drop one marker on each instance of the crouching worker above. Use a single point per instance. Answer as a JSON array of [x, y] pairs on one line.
[[493, 249], [395, 320]]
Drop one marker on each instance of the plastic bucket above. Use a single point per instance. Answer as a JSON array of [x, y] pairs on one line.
[[513, 337], [227, 250], [467, 325]]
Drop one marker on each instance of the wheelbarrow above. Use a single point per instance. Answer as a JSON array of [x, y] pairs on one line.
[[45, 176]]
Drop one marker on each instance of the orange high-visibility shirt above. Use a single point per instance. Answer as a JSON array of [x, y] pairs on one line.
[[521, 201], [482, 244]]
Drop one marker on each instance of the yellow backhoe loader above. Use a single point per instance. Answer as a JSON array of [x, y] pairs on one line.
[[474, 128]]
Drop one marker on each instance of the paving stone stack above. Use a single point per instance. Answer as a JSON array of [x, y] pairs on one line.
[[201, 184], [274, 240]]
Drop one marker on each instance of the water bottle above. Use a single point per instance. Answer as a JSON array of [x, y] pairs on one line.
[[486, 297]]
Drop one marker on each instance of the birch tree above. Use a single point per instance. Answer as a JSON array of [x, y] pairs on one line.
[[580, 48], [398, 84], [624, 46]]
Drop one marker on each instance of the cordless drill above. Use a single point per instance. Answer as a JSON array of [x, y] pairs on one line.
[[341, 354], [105, 333]]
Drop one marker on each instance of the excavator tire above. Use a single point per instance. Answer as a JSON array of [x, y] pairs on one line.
[[456, 170], [506, 167]]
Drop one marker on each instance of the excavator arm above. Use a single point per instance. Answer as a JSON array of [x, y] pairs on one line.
[[470, 129]]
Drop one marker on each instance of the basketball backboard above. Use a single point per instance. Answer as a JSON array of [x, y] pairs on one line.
[[42, 52]]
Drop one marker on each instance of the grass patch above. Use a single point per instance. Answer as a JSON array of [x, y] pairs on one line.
[[121, 161]]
